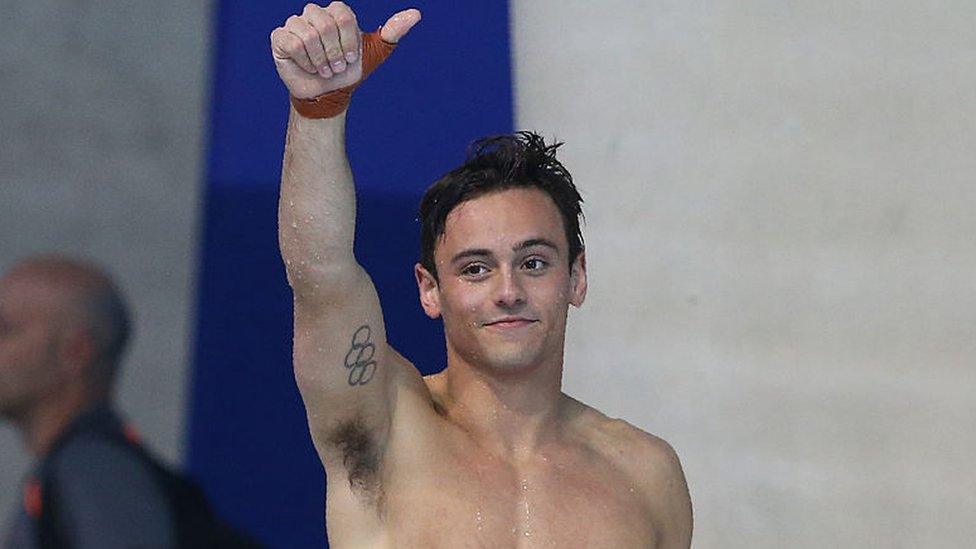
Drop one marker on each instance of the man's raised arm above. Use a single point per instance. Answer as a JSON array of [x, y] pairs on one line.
[[340, 353]]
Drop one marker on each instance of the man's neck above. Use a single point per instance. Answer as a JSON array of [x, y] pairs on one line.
[[512, 414], [46, 422]]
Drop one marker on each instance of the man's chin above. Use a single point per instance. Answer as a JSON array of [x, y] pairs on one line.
[[510, 361], [502, 356]]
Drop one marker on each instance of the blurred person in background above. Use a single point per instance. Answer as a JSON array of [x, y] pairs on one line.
[[64, 326]]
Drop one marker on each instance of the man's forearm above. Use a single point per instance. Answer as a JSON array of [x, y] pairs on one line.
[[318, 55], [317, 206]]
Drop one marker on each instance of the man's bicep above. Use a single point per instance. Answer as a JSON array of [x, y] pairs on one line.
[[341, 360], [672, 499]]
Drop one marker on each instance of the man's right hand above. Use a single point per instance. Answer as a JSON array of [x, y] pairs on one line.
[[321, 50]]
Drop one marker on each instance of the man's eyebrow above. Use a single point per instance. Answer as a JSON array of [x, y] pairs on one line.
[[472, 252], [484, 252], [535, 242]]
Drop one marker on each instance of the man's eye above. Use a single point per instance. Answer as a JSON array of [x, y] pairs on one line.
[[474, 269], [535, 264]]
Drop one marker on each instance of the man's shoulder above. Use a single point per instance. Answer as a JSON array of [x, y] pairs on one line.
[[647, 458], [100, 480], [86, 445], [652, 465], [91, 459]]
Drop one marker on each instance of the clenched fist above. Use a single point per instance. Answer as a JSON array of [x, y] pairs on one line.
[[321, 50]]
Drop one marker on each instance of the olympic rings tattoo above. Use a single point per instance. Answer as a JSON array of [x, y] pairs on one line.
[[359, 359]]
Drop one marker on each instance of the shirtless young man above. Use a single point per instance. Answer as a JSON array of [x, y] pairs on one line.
[[490, 452]]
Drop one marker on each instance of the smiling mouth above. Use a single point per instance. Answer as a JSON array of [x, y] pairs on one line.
[[510, 323]]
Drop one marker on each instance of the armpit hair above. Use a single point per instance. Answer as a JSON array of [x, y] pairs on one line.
[[360, 457]]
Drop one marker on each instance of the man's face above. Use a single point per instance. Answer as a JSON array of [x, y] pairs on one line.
[[29, 369], [504, 280]]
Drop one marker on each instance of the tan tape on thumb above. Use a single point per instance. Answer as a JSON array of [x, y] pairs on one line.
[[333, 103]]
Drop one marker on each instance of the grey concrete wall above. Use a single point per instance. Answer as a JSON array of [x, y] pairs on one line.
[[782, 252], [101, 129]]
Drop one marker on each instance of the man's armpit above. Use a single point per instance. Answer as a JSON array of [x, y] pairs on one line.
[[360, 456]]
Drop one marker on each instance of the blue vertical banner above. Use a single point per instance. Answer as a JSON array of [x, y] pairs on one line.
[[448, 83]]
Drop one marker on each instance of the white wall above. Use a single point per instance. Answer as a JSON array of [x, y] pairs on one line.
[[100, 157], [782, 252]]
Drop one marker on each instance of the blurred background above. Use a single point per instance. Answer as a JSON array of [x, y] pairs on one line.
[[781, 236]]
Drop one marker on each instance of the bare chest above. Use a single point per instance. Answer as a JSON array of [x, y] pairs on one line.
[[468, 499]]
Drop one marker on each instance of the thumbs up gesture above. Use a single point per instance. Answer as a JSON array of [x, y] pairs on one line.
[[321, 50]]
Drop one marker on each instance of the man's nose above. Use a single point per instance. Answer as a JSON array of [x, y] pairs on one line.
[[508, 290]]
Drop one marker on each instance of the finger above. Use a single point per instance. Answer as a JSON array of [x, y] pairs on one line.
[[345, 20], [288, 47], [319, 19], [312, 42], [399, 25], [325, 26]]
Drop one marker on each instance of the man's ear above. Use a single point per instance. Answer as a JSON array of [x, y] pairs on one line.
[[430, 297], [76, 351], [577, 280]]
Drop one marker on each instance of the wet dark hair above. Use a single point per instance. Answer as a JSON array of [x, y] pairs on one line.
[[499, 163]]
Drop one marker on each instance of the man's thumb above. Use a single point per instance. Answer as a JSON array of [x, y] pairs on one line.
[[400, 24]]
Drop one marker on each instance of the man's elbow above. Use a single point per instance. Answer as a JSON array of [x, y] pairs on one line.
[[331, 275]]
